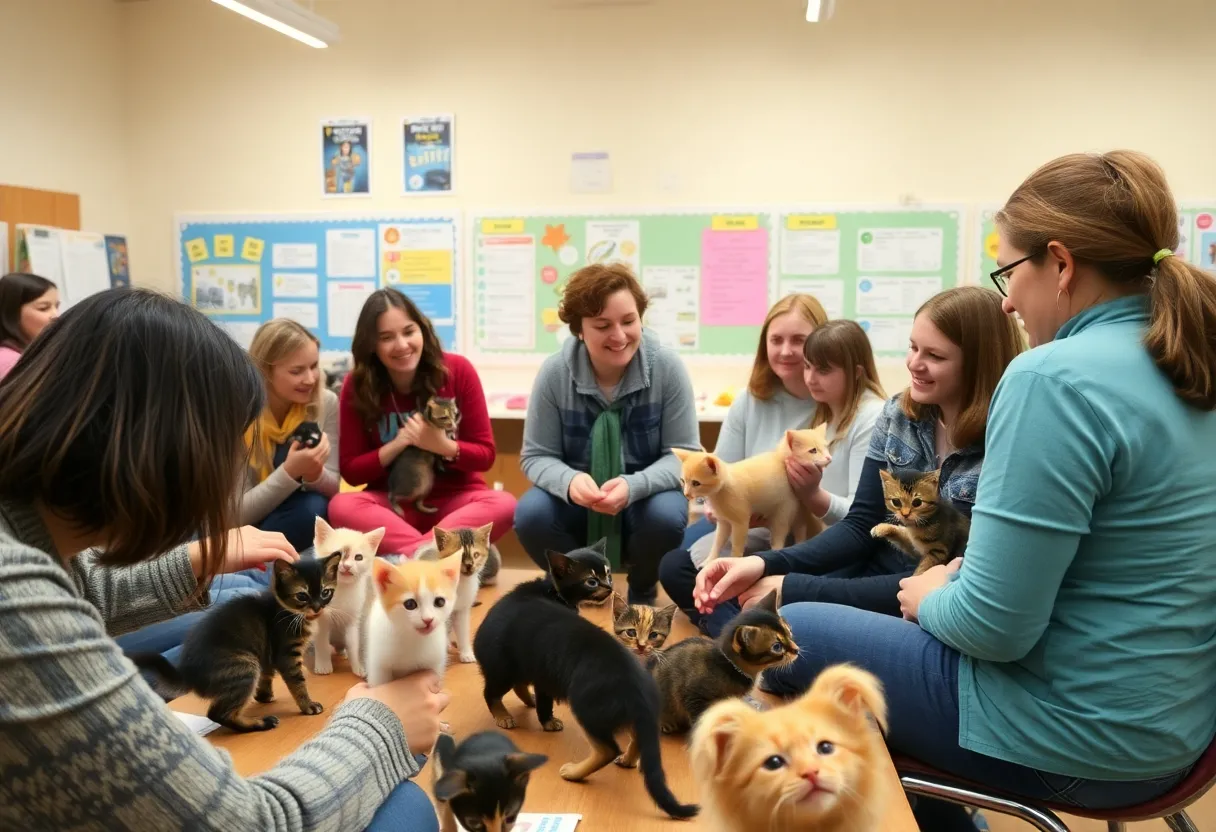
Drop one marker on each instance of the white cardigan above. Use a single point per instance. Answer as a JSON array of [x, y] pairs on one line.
[[848, 455]]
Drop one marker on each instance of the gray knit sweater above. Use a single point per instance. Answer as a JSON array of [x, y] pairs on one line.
[[85, 744]]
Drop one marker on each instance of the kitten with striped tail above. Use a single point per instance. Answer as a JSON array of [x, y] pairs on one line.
[[341, 625], [407, 624], [473, 546]]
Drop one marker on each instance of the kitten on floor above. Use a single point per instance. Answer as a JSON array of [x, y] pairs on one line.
[[411, 476], [534, 636], [924, 524], [407, 624], [697, 672], [481, 782], [473, 546], [757, 485], [342, 623], [233, 653], [814, 763], [642, 629]]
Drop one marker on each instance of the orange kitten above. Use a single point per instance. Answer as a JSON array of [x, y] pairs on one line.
[[407, 625], [814, 763], [756, 485]]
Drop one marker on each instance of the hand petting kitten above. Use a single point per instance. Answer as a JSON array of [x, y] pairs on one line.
[[915, 589]]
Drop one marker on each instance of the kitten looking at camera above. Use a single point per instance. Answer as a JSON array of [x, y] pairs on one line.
[[412, 474], [640, 628], [407, 624], [342, 623], [473, 546], [923, 524]]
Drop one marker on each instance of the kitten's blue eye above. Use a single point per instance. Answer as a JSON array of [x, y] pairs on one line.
[[411, 604], [592, 583], [302, 597], [778, 648], [439, 602], [825, 748], [774, 762]]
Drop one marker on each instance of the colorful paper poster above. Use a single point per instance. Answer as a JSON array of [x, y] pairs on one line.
[[345, 157], [417, 258], [734, 277], [614, 241], [227, 288], [536, 822], [674, 294], [428, 154], [1205, 241], [116, 253]]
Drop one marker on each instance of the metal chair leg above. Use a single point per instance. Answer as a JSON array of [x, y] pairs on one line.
[[1116, 826], [1042, 819], [1181, 822]]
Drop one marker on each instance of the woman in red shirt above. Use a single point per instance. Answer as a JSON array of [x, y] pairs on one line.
[[399, 365]]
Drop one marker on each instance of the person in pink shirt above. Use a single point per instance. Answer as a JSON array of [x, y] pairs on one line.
[[27, 304]]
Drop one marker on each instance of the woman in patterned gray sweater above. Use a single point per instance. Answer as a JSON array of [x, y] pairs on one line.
[[122, 428]]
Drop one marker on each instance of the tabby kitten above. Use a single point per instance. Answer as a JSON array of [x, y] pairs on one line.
[[481, 782], [233, 653], [473, 546], [924, 525], [412, 474], [642, 629], [697, 672]]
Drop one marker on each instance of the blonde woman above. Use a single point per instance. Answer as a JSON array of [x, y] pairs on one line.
[[287, 486]]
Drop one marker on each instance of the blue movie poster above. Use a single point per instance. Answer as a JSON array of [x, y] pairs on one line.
[[345, 162], [428, 154]]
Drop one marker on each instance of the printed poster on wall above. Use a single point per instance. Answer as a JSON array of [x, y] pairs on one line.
[[116, 254], [345, 157], [428, 154]]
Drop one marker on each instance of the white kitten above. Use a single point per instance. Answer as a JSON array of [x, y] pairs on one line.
[[342, 622], [407, 624], [473, 546]]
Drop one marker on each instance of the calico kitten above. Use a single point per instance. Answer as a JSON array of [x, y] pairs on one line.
[[924, 525], [756, 485], [534, 636], [407, 624], [697, 672], [233, 653], [344, 618], [473, 546], [308, 434], [481, 782], [412, 474], [642, 629], [814, 763]]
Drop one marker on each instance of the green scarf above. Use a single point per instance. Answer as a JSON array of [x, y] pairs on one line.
[[606, 465]]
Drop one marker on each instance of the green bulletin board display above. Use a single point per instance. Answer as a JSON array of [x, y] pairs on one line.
[[709, 276], [989, 240], [876, 266]]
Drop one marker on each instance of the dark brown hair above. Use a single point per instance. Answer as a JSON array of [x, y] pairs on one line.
[[16, 290], [369, 375], [588, 289], [972, 318], [843, 344], [126, 418], [764, 382], [1114, 211]]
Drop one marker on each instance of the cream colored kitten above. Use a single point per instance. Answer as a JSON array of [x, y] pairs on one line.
[[756, 485], [407, 624], [341, 625]]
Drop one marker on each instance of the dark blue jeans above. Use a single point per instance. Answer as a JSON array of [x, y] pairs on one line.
[[695, 532], [406, 809], [649, 527], [920, 677], [296, 518]]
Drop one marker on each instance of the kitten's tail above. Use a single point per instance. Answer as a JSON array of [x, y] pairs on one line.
[[646, 735], [168, 682]]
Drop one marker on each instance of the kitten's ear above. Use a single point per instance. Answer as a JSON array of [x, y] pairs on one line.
[[441, 537], [329, 566], [559, 564], [682, 453], [484, 531], [283, 569], [712, 463], [619, 607], [887, 476], [374, 538], [768, 602], [790, 437], [520, 763], [452, 784], [743, 637], [715, 736], [600, 547], [449, 567], [665, 615], [932, 479], [855, 691], [383, 574], [321, 530], [445, 747]]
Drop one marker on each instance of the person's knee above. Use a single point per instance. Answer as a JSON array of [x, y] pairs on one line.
[[315, 505], [661, 521], [534, 512], [500, 508], [406, 807], [675, 574]]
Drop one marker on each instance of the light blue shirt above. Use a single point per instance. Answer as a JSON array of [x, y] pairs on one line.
[[1086, 606]]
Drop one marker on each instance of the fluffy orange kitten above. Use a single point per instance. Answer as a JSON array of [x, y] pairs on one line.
[[407, 623], [756, 485], [814, 763]]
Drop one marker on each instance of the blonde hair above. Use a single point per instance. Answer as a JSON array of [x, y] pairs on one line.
[[272, 343], [843, 344], [764, 383], [972, 318], [1114, 211]]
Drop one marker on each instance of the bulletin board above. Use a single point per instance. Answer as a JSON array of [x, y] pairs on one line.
[[709, 275], [989, 240], [317, 269], [875, 265]]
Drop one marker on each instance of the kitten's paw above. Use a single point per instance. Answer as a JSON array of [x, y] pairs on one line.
[[323, 666], [468, 658], [358, 669], [505, 722], [569, 771], [268, 722], [554, 724], [312, 708], [625, 762], [882, 530], [268, 696]]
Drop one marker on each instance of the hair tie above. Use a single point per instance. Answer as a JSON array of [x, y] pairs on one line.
[[1161, 255]]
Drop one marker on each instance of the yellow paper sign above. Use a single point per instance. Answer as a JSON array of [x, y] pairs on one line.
[[992, 245], [225, 245], [502, 226], [811, 222], [548, 316], [196, 249], [398, 267], [252, 249], [735, 223]]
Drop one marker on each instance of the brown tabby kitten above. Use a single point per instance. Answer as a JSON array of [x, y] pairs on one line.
[[412, 474], [642, 629], [924, 525], [698, 672]]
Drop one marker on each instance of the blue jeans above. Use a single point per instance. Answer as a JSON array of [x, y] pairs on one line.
[[696, 531], [296, 518], [406, 809], [920, 677], [649, 527]]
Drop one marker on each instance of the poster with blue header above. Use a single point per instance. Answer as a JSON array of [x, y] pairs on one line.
[[428, 154], [345, 157]]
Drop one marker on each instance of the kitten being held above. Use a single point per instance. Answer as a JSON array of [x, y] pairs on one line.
[[308, 434], [814, 763], [641, 629], [481, 782], [407, 623], [342, 624], [412, 474], [924, 524]]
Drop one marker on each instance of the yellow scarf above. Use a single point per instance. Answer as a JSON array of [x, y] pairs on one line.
[[270, 435]]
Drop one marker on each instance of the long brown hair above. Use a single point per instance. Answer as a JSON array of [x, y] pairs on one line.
[[126, 418], [16, 290], [972, 318], [272, 343], [843, 344], [1114, 211], [764, 383], [369, 375]]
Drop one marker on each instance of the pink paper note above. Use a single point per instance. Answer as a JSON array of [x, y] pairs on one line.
[[734, 277]]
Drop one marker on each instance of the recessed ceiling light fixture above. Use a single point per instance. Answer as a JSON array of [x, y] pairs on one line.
[[818, 11], [288, 18]]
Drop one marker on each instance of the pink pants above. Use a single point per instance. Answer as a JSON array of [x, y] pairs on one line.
[[367, 510]]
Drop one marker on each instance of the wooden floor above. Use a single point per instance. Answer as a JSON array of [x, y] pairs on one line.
[[612, 800]]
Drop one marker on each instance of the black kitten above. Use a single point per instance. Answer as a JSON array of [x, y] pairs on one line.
[[308, 434], [481, 782], [233, 653], [534, 636]]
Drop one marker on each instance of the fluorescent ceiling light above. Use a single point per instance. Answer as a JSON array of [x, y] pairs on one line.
[[819, 10], [288, 18]]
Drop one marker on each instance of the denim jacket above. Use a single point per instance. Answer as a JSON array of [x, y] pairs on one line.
[[904, 446]]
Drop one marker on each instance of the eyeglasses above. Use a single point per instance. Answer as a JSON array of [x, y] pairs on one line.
[[1000, 277]]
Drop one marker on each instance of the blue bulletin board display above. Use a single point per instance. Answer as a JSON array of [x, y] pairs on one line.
[[318, 269]]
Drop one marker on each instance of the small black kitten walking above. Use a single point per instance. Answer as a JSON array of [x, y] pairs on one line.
[[534, 636], [308, 434], [482, 781], [233, 653], [412, 474]]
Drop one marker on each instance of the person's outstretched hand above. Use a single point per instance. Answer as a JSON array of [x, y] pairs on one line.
[[723, 579], [417, 700], [252, 548]]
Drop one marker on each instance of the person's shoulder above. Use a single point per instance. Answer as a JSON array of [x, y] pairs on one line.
[[457, 365], [665, 362], [892, 408], [869, 409], [329, 399]]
